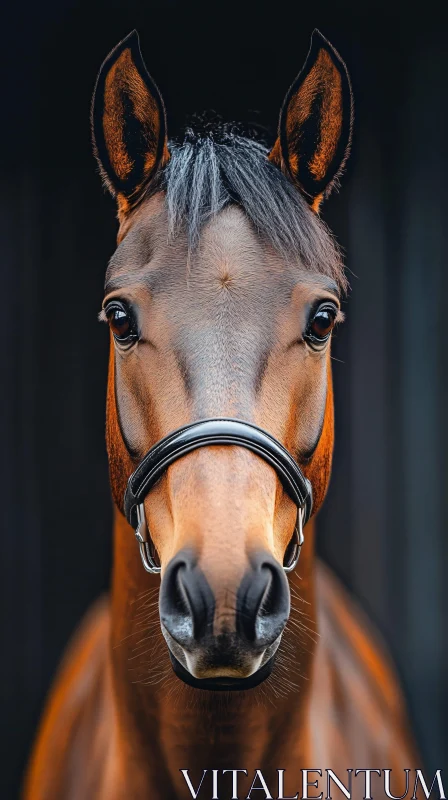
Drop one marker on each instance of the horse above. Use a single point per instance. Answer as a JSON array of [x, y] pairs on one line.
[[221, 662]]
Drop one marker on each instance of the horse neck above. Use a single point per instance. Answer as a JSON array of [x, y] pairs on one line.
[[158, 717]]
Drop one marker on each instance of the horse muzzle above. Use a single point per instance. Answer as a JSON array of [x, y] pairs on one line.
[[218, 648]]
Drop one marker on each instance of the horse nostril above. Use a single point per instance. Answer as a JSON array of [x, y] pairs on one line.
[[187, 604], [186, 601], [263, 601]]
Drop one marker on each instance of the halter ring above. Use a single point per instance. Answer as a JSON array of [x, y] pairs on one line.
[[142, 536], [298, 541]]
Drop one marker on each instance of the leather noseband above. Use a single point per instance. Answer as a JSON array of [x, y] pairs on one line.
[[216, 431]]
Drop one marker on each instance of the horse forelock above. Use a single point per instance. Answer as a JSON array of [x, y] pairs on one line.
[[214, 167]]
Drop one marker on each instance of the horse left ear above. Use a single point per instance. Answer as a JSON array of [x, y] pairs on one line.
[[315, 126], [128, 123]]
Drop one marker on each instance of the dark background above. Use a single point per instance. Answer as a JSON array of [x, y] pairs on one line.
[[384, 524]]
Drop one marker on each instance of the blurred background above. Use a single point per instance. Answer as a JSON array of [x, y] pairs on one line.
[[384, 525]]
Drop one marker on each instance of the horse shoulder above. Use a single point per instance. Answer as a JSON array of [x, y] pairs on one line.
[[358, 711], [72, 738]]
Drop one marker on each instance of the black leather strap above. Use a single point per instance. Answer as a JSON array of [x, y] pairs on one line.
[[216, 432]]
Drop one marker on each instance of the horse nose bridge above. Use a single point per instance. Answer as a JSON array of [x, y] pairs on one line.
[[222, 497], [222, 500]]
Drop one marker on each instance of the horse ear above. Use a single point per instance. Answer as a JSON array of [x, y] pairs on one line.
[[315, 126], [128, 123]]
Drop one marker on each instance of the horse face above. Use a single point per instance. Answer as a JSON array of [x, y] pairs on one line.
[[231, 326]]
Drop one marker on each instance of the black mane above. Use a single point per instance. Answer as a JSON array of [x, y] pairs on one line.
[[216, 166]]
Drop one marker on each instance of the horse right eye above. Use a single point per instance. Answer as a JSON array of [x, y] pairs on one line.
[[121, 323]]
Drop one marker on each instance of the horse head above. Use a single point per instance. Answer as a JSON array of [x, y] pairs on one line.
[[221, 298]]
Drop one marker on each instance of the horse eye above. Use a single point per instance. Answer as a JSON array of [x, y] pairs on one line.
[[121, 324], [321, 324]]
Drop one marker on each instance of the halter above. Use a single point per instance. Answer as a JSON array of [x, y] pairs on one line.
[[204, 433]]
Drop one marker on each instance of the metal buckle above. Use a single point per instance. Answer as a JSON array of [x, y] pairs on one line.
[[142, 536], [299, 540]]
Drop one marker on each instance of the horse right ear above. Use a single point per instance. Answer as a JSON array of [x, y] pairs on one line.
[[128, 124]]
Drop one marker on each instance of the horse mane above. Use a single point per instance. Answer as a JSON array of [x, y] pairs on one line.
[[215, 166]]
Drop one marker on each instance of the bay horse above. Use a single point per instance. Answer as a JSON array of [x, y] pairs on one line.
[[221, 298]]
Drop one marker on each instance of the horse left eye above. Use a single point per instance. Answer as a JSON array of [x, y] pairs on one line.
[[321, 324]]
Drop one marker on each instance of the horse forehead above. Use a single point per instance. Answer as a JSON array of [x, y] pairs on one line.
[[230, 240], [230, 252], [232, 262], [235, 284], [227, 294]]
